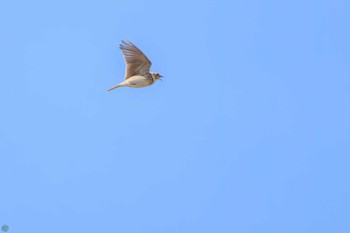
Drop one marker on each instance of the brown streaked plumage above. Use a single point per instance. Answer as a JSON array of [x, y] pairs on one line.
[[137, 72]]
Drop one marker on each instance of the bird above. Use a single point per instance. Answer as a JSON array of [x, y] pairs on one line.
[[137, 71]]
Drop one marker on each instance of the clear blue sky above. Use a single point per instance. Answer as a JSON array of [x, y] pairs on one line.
[[249, 131]]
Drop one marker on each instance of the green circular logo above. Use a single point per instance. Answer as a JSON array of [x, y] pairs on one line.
[[5, 228]]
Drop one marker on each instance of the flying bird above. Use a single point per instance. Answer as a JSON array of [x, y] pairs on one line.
[[137, 72]]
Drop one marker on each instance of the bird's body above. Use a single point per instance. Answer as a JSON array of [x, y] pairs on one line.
[[137, 72]]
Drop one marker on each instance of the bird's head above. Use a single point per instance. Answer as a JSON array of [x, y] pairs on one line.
[[156, 75]]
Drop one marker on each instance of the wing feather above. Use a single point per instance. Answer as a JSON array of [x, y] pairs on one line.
[[136, 61]]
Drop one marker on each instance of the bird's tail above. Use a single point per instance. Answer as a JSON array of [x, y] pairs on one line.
[[114, 87]]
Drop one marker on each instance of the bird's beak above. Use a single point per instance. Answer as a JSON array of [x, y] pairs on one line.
[[160, 77]]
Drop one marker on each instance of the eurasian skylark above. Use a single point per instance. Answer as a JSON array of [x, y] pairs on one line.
[[137, 72]]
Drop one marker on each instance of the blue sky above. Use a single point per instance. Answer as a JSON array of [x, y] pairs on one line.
[[248, 132]]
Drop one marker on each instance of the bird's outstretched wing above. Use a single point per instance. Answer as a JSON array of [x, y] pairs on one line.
[[136, 62]]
